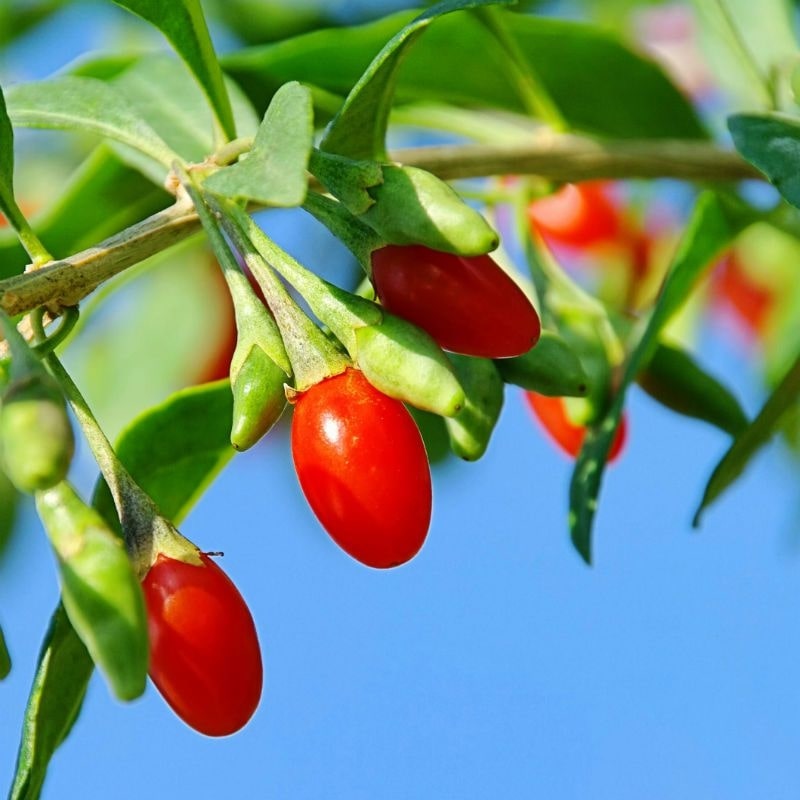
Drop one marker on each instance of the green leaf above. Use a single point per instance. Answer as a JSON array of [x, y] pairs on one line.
[[173, 451], [712, 226], [745, 446], [347, 180], [274, 172], [359, 129], [85, 104], [16, 19], [746, 45], [678, 382], [62, 675], [771, 143], [9, 500], [7, 203], [164, 94], [5, 658], [598, 84], [183, 23]]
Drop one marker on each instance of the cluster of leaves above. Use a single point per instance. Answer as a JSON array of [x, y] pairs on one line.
[[193, 125]]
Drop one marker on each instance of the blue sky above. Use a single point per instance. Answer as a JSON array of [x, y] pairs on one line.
[[495, 664]]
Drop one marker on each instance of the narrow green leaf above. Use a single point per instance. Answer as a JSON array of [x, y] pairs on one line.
[[359, 129], [7, 203], [710, 229], [174, 450], [183, 23], [771, 143], [5, 658], [274, 172], [62, 675], [85, 104], [166, 96], [9, 500], [753, 438], [678, 382], [16, 19]]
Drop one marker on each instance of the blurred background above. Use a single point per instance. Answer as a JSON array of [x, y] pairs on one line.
[[495, 664]]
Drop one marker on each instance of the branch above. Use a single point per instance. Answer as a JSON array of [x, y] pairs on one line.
[[562, 158], [573, 158]]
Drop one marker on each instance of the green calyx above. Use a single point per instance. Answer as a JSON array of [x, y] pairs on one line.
[[99, 588], [398, 358], [413, 206], [312, 355], [550, 367], [404, 205], [260, 365], [471, 429], [259, 368]]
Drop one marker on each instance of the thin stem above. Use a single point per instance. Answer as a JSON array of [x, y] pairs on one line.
[[28, 239], [231, 151], [33, 245], [68, 320], [312, 354], [561, 158], [251, 316], [137, 512]]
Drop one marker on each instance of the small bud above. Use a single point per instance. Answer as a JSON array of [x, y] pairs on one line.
[[36, 438], [258, 398], [471, 429]]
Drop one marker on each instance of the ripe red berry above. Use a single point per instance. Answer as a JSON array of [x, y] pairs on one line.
[[204, 653], [362, 466], [552, 414], [577, 215], [467, 304]]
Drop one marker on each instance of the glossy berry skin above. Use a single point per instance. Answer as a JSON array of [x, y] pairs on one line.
[[577, 215], [552, 414], [204, 653], [467, 304], [362, 466]]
